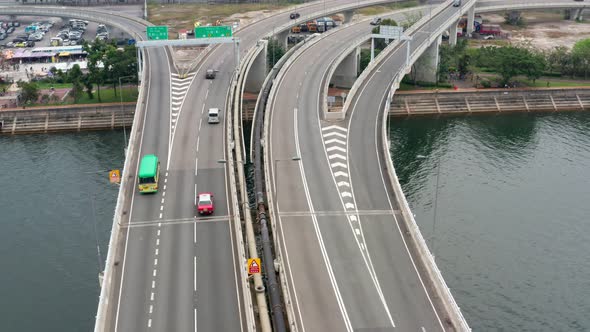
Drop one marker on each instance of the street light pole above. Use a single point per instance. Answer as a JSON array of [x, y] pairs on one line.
[[121, 104]]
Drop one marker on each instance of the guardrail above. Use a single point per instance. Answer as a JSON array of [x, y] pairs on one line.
[[442, 290], [127, 185], [269, 90], [238, 81]]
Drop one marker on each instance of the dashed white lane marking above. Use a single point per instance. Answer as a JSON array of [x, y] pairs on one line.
[[200, 124], [203, 109], [157, 242], [195, 278], [196, 166], [156, 262], [153, 286], [154, 274], [159, 232], [198, 141], [161, 208], [152, 296], [160, 215], [151, 308], [165, 181], [162, 200], [206, 94], [150, 322], [164, 187]]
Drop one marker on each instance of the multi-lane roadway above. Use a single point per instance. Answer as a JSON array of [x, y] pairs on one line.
[[348, 264], [179, 270]]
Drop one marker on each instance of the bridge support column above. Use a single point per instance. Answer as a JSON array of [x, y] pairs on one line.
[[347, 71], [574, 14], [453, 34], [426, 68], [348, 15], [282, 38], [258, 71], [470, 20]]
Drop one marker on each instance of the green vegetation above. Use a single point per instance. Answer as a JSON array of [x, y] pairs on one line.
[[275, 52], [516, 65], [43, 85], [29, 92], [111, 96], [183, 16], [376, 10]]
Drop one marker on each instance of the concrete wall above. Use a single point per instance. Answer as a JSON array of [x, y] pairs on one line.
[[348, 70], [494, 100], [66, 118], [425, 69]]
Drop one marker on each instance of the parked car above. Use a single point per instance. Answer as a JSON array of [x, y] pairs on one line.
[[10, 44], [2, 36], [294, 15], [10, 30], [30, 43], [376, 21], [20, 44]]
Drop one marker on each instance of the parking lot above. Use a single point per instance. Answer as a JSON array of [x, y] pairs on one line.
[[52, 27]]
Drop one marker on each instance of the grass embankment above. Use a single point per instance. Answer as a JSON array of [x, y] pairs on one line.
[[376, 10], [183, 16], [106, 95]]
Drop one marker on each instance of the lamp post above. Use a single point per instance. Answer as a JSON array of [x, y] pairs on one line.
[[438, 162], [121, 95], [276, 161]]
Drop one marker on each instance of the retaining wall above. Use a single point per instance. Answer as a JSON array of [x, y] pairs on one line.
[[66, 118], [492, 100]]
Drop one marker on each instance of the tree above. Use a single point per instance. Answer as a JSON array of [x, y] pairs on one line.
[[120, 62], [77, 90], [581, 57], [95, 61], [29, 91], [75, 74], [275, 52]]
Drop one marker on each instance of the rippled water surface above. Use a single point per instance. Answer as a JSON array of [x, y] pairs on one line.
[[54, 189], [511, 231]]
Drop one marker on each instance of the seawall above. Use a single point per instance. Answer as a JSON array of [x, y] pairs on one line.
[[473, 101], [47, 119]]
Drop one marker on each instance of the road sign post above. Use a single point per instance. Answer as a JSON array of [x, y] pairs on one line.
[[115, 176], [157, 32], [253, 265], [213, 32]]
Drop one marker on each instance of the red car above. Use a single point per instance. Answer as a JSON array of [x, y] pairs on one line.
[[205, 203]]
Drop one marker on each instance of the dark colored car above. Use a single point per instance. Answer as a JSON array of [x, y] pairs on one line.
[[210, 74], [294, 15]]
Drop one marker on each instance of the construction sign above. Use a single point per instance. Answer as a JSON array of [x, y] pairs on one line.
[[253, 265], [115, 176]]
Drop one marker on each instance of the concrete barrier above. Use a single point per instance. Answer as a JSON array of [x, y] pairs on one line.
[[442, 291]]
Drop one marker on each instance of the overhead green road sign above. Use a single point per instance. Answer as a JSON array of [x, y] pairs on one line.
[[157, 32], [213, 32]]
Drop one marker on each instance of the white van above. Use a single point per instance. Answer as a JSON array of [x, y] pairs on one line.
[[213, 115]]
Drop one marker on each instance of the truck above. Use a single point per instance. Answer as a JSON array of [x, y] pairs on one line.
[[488, 29]]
